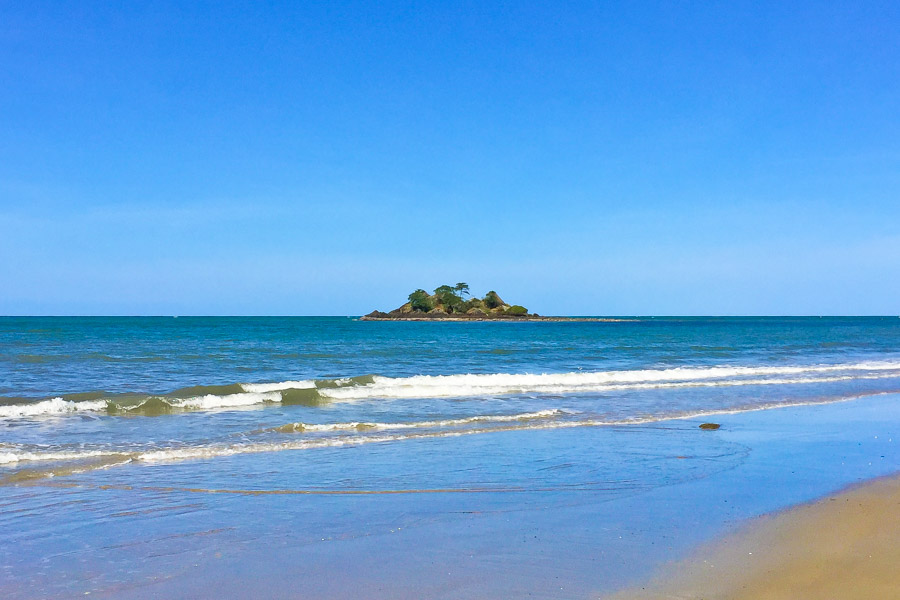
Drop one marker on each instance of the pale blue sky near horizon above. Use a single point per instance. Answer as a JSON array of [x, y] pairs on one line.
[[307, 158]]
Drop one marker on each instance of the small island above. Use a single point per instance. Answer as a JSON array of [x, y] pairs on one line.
[[455, 303]]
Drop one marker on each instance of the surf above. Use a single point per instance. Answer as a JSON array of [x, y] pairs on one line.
[[312, 392]]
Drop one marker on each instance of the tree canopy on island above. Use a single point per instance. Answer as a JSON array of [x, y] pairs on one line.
[[420, 301], [451, 300]]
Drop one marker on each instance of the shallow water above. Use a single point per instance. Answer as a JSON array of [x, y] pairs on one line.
[[132, 449]]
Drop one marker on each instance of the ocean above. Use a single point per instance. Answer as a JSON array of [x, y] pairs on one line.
[[140, 452]]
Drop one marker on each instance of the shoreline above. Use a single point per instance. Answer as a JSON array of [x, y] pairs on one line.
[[842, 545], [566, 541]]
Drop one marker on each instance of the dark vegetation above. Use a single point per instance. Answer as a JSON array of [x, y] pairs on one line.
[[456, 301]]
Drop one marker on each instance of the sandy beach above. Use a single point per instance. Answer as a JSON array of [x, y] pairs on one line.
[[844, 546]]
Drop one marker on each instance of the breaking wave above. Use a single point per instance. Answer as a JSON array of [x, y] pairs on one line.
[[329, 435], [371, 387], [367, 426]]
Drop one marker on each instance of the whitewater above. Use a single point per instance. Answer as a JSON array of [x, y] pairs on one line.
[[463, 386]]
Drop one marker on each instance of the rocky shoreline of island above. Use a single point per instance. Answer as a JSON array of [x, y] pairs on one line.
[[382, 316], [455, 303]]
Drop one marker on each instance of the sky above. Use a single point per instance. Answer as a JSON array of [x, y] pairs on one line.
[[317, 158]]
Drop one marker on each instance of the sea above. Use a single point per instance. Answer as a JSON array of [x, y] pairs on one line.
[[137, 454]]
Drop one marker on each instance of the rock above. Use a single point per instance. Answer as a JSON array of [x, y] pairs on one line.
[[377, 314], [406, 308], [709, 426], [476, 312], [437, 311]]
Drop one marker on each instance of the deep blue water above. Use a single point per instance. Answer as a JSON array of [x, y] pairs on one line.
[[43, 356]]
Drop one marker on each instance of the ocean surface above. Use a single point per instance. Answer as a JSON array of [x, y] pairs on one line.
[[134, 449]]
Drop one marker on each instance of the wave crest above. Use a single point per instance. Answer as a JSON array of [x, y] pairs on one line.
[[368, 387]]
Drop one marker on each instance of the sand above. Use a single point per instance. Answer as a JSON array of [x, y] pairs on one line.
[[844, 547]]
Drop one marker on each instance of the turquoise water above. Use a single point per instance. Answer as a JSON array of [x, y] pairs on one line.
[[144, 443], [42, 357]]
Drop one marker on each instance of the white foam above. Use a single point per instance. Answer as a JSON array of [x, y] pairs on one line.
[[540, 420], [54, 406], [471, 384], [58, 406], [14, 456], [464, 385], [475, 385], [362, 425], [213, 401], [217, 451]]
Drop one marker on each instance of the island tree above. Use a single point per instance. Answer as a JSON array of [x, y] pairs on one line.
[[420, 300], [457, 300]]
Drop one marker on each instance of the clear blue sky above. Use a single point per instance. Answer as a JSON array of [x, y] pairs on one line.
[[328, 157]]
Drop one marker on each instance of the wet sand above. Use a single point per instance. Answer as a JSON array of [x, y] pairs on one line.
[[845, 546], [615, 506]]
